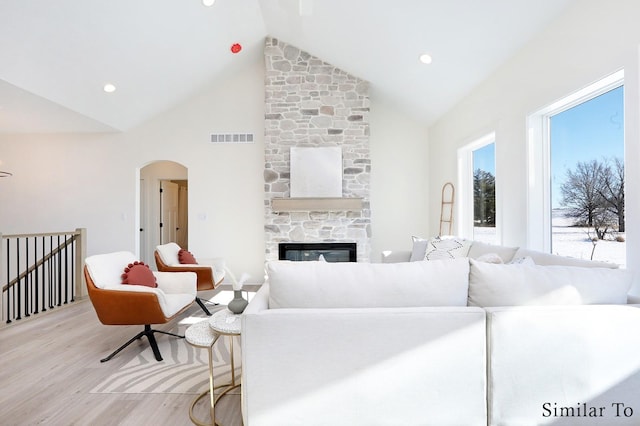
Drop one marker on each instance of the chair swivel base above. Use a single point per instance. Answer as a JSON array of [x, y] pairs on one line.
[[149, 332], [204, 307]]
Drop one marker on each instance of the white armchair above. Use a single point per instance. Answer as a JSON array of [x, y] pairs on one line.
[[116, 303], [210, 272]]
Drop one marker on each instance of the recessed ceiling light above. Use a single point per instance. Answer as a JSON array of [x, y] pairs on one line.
[[208, 2], [425, 58], [109, 88]]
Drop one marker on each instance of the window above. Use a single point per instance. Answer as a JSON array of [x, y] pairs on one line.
[[587, 179], [576, 168], [484, 194], [477, 212]]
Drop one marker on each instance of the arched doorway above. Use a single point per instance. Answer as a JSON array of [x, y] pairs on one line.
[[164, 189]]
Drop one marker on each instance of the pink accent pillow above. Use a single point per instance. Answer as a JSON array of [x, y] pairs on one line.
[[139, 274], [186, 258]]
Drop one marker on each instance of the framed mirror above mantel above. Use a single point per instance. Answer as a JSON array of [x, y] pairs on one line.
[[316, 204]]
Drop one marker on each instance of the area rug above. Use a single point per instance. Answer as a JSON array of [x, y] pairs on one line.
[[184, 368]]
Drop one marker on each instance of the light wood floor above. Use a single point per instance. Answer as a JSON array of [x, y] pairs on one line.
[[49, 364]]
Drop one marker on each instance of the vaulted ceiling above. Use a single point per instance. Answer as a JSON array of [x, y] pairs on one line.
[[56, 56]]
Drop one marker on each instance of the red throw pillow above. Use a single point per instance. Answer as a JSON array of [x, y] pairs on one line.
[[186, 258], [139, 274]]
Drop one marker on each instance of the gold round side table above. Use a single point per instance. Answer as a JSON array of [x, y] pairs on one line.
[[205, 334]]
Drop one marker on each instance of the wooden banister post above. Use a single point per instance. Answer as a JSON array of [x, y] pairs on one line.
[[81, 254], [2, 284]]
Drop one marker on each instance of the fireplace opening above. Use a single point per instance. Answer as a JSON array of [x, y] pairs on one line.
[[332, 252]]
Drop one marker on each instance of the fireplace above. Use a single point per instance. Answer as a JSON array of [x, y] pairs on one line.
[[325, 108], [332, 252]]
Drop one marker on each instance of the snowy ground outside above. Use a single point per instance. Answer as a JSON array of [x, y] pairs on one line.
[[569, 240]]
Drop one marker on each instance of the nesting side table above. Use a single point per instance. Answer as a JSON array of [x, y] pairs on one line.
[[204, 335]]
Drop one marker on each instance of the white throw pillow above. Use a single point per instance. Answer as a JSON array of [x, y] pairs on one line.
[[527, 260], [490, 258], [419, 249], [441, 248], [366, 285], [478, 248], [541, 258], [521, 284]]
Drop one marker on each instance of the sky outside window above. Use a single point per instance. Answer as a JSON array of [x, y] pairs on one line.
[[485, 158], [593, 130]]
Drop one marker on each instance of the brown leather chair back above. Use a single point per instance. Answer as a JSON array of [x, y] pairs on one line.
[[121, 307], [205, 275]]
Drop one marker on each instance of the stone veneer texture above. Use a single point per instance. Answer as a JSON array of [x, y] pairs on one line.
[[310, 103]]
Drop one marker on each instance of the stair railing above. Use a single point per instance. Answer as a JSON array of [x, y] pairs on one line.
[[39, 272]]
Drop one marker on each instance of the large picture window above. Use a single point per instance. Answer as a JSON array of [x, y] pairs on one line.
[[576, 174], [587, 179]]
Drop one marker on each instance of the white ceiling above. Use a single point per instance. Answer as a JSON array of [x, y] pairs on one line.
[[55, 56]]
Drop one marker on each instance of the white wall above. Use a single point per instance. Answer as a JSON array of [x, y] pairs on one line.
[[591, 40], [62, 182], [399, 176], [225, 180]]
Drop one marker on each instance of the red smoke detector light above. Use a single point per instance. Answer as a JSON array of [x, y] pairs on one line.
[[236, 48]]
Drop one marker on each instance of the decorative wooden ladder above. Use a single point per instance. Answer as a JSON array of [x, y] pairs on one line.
[[446, 208]]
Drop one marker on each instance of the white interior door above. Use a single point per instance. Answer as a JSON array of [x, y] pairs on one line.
[[169, 194], [182, 237], [144, 223]]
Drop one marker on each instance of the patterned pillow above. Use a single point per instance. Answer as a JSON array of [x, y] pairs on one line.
[[186, 258], [137, 273], [447, 248]]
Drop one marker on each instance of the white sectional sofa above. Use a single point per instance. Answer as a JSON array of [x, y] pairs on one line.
[[400, 344], [477, 249], [563, 365]]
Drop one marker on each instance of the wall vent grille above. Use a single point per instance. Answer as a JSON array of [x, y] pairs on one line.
[[232, 138]]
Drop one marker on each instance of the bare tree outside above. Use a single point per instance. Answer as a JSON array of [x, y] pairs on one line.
[[586, 171], [580, 191], [593, 194], [612, 190]]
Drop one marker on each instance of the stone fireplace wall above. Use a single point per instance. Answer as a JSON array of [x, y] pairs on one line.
[[310, 103]]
